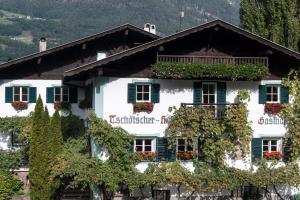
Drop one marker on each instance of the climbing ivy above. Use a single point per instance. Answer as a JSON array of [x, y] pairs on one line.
[[218, 137], [291, 114]]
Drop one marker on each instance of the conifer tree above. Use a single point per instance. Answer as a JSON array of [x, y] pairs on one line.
[[39, 154], [276, 20], [56, 138]]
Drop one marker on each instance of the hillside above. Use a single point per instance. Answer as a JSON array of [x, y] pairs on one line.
[[22, 23]]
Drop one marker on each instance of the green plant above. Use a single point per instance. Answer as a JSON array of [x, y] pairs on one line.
[[222, 71], [9, 185], [295, 197], [19, 105]]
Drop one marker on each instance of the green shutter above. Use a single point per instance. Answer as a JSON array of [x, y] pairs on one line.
[[200, 150], [131, 93], [162, 148], [197, 93], [256, 148], [221, 93], [8, 94], [284, 95], [171, 153], [262, 94], [49, 95], [73, 98], [155, 93], [32, 94], [287, 150], [131, 148]]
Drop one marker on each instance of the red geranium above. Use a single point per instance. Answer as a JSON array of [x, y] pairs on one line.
[[186, 155], [273, 108], [275, 155], [144, 155], [19, 105], [143, 107]]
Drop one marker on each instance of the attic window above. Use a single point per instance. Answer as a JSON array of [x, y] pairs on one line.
[[101, 55]]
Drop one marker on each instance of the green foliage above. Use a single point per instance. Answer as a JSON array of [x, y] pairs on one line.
[[275, 20], [291, 113], [72, 127], [218, 137], [39, 151], [10, 160], [222, 71], [56, 139], [9, 185]]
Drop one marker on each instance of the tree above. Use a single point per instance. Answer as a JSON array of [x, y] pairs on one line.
[[276, 20], [39, 154]]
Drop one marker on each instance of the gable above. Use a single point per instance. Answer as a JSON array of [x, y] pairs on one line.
[[51, 64]]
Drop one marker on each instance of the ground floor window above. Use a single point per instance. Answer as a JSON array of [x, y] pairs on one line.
[[143, 145], [186, 149], [161, 194], [272, 148]]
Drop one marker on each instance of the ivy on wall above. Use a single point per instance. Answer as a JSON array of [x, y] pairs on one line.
[[221, 71], [217, 137]]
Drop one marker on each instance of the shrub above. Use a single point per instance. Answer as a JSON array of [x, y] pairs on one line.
[[9, 185]]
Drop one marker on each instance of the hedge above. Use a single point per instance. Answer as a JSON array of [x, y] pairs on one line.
[[218, 71]]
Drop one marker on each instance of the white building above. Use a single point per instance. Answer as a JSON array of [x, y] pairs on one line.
[[123, 77]]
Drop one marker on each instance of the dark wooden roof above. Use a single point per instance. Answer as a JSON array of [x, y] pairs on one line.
[[84, 69], [78, 42]]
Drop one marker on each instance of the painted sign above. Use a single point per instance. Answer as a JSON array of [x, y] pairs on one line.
[[275, 120], [137, 119]]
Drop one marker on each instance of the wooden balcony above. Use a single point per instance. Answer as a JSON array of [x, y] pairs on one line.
[[217, 109], [213, 60]]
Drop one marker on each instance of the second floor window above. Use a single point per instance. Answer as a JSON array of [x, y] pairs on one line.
[[143, 145], [272, 93], [209, 93], [143, 92], [20, 94], [61, 94]]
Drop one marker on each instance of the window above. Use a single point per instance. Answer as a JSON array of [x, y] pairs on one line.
[[272, 93], [184, 145], [161, 194], [209, 93], [61, 94], [271, 145], [15, 140], [20, 94], [143, 92], [143, 145]]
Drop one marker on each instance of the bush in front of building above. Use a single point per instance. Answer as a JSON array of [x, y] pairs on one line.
[[9, 185]]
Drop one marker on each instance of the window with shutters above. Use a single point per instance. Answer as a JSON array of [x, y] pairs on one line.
[[61, 94], [185, 149], [21, 94], [209, 93], [271, 145], [143, 93], [272, 93], [144, 145]]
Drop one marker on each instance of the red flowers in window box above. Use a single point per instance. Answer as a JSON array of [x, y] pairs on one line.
[[58, 105], [186, 155], [144, 156], [143, 107], [275, 155], [273, 108], [19, 105]]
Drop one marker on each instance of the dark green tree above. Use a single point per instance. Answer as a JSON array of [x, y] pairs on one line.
[[39, 154], [276, 20]]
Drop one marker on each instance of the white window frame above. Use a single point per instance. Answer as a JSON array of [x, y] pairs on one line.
[[278, 93], [185, 145], [21, 93], [61, 94], [136, 92], [215, 94], [143, 144], [278, 144]]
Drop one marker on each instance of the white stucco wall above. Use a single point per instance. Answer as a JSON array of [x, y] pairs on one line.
[[8, 111], [111, 102]]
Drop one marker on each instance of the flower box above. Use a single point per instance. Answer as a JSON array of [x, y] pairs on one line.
[[19, 105], [273, 108], [276, 155], [84, 104], [144, 156], [58, 105], [143, 107], [186, 155]]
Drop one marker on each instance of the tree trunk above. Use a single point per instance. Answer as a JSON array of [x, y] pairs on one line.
[[278, 194], [178, 191]]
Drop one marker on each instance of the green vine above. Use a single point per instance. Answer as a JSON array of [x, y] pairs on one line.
[[291, 114], [223, 71], [217, 137]]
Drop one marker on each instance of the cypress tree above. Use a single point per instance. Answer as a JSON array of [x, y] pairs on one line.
[[276, 20], [39, 154], [56, 138]]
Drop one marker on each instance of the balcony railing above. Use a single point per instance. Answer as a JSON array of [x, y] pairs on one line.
[[217, 109], [213, 60]]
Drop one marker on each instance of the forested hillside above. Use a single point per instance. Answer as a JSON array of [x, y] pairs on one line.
[[23, 22]]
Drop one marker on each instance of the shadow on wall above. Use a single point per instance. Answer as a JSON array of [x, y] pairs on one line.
[[5, 141]]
